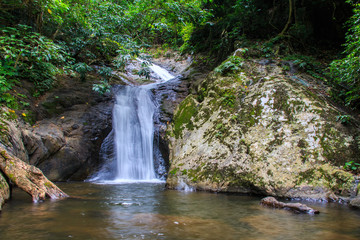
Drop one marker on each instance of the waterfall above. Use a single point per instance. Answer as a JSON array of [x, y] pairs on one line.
[[130, 154], [134, 131]]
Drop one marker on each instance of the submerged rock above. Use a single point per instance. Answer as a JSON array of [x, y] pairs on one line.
[[355, 202], [258, 131]]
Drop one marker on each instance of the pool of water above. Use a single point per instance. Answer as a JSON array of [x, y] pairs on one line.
[[149, 211]]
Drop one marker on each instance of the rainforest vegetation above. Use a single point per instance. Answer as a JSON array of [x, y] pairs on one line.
[[43, 40]]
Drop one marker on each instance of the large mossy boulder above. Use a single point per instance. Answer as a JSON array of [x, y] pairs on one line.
[[258, 130]]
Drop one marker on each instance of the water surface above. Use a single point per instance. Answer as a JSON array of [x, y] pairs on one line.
[[148, 211]]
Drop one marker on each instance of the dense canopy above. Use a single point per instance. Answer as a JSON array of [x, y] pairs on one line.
[[41, 39]]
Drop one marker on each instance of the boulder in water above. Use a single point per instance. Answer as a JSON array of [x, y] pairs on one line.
[[259, 131]]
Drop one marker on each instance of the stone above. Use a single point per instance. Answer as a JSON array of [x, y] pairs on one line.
[[355, 202], [4, 190], [260, 132]]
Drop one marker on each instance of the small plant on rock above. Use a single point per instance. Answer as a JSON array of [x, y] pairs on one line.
[[344, 119], [102, 88], [82, 69], [352, 166], [231, 65]]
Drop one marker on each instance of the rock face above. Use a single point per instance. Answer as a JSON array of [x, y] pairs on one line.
[[65, 142], [259, 131], [67, 147]]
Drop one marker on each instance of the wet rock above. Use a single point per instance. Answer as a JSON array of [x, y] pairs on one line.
[[260, 132], [43, 141], [265, 62], [11, 138], [296, 207], [355, 202], [4, 190]]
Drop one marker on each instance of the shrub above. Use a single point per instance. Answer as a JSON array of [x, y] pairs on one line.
[[346, 71]]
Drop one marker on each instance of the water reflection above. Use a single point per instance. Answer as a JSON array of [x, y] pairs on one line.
[[148, 211]]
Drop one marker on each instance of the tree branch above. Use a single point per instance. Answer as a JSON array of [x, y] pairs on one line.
[[29, 178]]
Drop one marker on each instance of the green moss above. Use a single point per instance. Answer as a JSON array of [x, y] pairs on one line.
[[249, 116], [48, 184], [12, 177], [325, 176], [334, 148], [182, 118], [281, 102], [202, 93], [277, 141], [174, 171]]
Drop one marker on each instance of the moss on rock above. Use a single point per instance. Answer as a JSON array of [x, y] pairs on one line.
[[272, 137]]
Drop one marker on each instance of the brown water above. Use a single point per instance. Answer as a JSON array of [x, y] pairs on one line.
[[148, 211]]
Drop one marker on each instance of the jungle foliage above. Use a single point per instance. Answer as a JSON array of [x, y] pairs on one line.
[[346, 71], [40, 39]]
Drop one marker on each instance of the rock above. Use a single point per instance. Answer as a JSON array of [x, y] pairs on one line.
[[261, 132], [4, 190], [12, 138], [355, 202], [296, 207], [44, 140], [70, 144], [61, 166], [240, 52], [65, 146]]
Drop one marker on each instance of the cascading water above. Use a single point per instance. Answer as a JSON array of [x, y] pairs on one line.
[[134, 132], [130, 154]]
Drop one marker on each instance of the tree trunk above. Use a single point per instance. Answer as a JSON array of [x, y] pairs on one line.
[[29, 178], [296, 207], [291, 9]]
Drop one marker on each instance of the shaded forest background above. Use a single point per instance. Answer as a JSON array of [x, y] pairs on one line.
[[41, 40]]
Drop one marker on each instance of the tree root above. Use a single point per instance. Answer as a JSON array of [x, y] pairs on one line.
[[28, 178]]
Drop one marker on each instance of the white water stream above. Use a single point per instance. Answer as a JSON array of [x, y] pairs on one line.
[[133, 131]]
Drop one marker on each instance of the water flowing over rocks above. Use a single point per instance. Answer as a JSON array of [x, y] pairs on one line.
[[261, 132]]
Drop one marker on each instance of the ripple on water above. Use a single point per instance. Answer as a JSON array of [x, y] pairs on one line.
[[149, 211]]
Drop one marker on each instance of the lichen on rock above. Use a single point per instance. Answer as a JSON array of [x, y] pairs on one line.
[[258, 131]]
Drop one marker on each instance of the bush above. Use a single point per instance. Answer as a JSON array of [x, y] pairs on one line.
[[346, 71], [27, 55], [232, 64]]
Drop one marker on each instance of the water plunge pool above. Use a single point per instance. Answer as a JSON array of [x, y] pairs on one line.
[[149, 211]]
